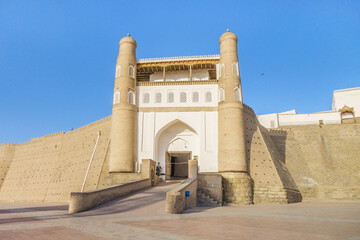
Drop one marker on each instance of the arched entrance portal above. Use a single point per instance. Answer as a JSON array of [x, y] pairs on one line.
[[176, 144]]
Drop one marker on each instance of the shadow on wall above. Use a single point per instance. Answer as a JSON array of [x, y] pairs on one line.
[[250, 129], [271, 180], [279, 137]]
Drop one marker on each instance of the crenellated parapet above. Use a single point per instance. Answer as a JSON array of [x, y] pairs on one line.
[[180, 58], [32, 141], [90, 125], [277, 132], [41, 139], [8, 145], [249, 109], [177, 83], [55, 134]]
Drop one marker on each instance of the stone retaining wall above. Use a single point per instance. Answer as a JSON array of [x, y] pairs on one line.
[[82, 201], [176, 199], [211, 185]]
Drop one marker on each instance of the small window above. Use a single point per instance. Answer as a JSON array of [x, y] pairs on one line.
[[170, 97], [183, 97], [158, 97], [220, 70], [131, 71], [116, 97], [131, 97], [146, 98], [118, 70], [235, 68], [237, 94], [195, 97], [208, 97], [221, 95]]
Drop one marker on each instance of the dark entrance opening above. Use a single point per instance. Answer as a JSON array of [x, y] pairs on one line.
[[177, 165]]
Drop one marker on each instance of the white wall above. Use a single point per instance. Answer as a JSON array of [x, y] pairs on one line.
[[272, 120], [349, 97], [275, 120], [269, 120], [189, 89], [157, 130], [309, 118], [197, 75]]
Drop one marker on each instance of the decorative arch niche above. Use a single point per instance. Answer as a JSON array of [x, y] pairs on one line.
[[347, 115]]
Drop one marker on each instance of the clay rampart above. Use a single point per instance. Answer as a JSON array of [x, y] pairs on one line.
[[6, 155], [48, 168], [323, 160], [248, 109], [272, 182]]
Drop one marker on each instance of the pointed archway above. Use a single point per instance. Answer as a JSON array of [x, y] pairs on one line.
[[176, 142]]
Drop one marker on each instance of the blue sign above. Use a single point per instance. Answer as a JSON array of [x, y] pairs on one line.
[[211, 185], [187, 193]]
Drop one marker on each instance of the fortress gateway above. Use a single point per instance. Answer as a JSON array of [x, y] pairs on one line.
[[173, 109], [168, 110]]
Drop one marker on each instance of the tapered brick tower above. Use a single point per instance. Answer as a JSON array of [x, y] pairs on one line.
[[124, 118], [232, 162]]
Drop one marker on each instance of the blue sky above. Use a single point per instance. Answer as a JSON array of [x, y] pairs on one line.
[[57, 58]]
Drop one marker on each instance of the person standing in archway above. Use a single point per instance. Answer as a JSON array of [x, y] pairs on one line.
[[158, 169]]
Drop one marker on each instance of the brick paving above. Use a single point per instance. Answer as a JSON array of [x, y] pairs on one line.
[[142, 216]]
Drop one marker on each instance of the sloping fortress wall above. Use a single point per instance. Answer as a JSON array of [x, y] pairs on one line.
[[271, 181], [323, 160], [49, 168], [6, 155]]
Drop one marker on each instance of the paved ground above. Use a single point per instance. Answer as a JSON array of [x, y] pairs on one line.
[[142, 216]]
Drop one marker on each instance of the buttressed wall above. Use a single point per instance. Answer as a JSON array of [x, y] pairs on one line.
[[49, 168], [323, 160], [248, 159], [272, 182]]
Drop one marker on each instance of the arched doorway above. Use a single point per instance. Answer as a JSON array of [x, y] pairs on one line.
[[176, 143]]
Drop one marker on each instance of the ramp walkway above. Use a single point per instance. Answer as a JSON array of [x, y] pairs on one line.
[[141, 215], [144, 202]]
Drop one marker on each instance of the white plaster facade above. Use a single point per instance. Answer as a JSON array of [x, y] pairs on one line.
[[197, 75], [275, 120], [203, 99], [309, 118], [195, 131], [272, 120], [349, 97]]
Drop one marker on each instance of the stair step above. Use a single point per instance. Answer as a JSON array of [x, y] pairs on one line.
[[204, 200]]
